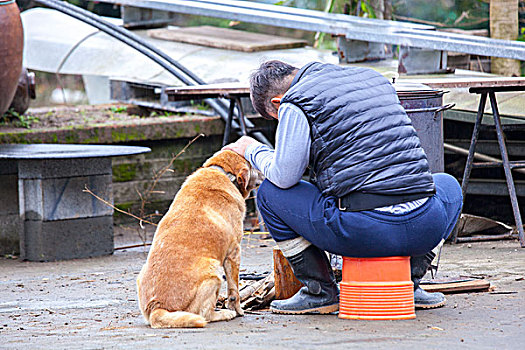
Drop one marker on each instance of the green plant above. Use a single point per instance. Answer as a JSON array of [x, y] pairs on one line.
[[17, 119], [521, 37], [199, 104], [464, 14], [118, 109], [367, 9]]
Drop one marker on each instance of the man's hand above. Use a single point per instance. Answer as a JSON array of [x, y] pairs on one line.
[[240, 145]]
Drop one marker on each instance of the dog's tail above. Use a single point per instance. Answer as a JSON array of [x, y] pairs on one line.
[[160, 318]]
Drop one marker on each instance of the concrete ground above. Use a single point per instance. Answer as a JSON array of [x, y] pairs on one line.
[[91, 304]]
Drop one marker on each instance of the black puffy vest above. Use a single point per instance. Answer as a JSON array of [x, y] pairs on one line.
[[362, 139]]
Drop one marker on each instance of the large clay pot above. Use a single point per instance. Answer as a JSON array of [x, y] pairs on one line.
[[11, 51]]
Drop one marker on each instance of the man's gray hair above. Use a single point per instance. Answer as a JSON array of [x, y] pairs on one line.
[[267, 82]]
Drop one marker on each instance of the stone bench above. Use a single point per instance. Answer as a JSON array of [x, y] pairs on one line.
[[44, 213]]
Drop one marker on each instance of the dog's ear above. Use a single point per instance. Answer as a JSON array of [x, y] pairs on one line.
[[243, 179]]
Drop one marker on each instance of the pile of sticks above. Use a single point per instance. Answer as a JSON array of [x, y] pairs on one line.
[[255, 295]]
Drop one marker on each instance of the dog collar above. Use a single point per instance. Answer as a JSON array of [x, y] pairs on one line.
[[230, 176]]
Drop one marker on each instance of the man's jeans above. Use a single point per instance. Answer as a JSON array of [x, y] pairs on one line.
[[302, 210]]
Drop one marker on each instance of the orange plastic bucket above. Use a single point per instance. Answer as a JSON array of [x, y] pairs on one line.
[[389, 269], [384, 308], [360, 312], [378, 296], [376, 304], [372, 292], [376, 289]]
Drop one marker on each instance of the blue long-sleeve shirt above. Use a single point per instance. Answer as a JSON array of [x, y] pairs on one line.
[[285, 165]]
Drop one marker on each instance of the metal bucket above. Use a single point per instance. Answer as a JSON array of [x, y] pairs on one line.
[[424, 107], [11, 51]]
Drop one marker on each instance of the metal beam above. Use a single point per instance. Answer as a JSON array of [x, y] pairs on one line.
[[493, 187], [318, 14], [490, 147], [364, 29]]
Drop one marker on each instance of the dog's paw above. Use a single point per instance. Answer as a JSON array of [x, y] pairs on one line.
[[222, 315], [240, 311], [229, 315], [231, 305], [234, 304]]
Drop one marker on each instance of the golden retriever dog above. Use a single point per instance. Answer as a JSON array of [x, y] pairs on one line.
[[179, 284]]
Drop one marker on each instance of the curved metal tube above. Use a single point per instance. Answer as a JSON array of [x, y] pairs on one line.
[[150, 51]]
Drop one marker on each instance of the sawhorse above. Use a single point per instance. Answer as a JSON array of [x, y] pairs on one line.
[[490, 92]]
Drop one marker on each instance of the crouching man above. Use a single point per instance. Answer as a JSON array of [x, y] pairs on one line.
[[370, 194]]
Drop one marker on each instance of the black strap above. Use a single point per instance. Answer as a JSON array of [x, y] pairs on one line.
[[358, 201]]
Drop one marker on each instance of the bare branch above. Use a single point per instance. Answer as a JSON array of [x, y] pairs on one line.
[[87, 190], [133, 246], [144, 197]]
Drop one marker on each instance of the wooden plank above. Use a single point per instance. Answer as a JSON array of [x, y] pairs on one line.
[[470, 82], [210, 89], [242, 88], [286, 284], [224, 38], [458, 287]]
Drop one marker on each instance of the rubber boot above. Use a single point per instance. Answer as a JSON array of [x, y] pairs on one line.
[[418, 268], [319, 294]]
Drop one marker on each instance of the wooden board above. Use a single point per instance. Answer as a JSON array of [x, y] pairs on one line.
[[471, 224], [224, 38], [241, 88], [211, 89], [458, 287], [472, 82]]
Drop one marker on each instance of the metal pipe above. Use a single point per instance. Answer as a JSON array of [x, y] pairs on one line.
[[473, 142], [146, 49], [506, 168], [485, 238], [470, 157], [121, 33], [480, 156]]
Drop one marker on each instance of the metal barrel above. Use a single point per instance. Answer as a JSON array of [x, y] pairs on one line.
[[424, 107]]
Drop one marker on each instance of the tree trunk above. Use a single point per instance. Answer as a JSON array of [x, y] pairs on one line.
[[504, 25], [379, 8], [388, 9]]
